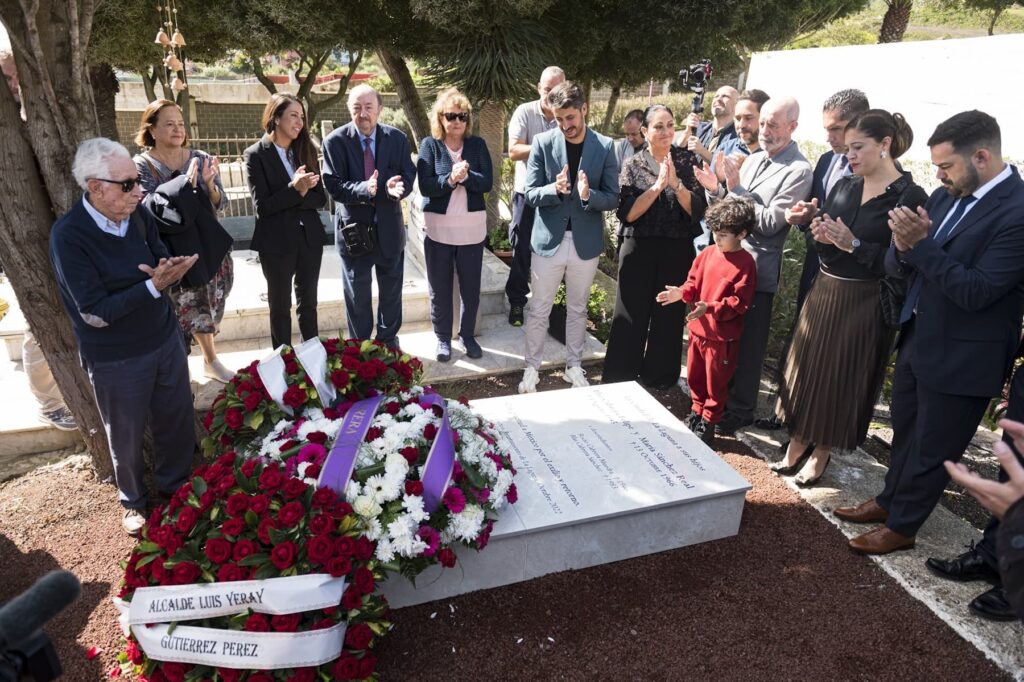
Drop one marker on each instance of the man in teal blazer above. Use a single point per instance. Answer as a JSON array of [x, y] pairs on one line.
[[571, 179]]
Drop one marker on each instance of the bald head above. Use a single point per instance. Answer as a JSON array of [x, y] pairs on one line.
[[549, 78], [723, 105], [364, 104], [779, 117]]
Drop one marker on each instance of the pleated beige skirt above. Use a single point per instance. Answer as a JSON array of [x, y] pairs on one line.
[[836, 362]]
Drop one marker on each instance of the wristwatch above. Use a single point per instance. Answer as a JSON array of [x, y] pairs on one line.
[[854, 245]]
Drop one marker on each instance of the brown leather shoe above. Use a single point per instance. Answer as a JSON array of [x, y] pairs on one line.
[[865, 512], [880, 540]]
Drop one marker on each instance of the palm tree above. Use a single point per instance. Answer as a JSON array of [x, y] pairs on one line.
[[894, 23]]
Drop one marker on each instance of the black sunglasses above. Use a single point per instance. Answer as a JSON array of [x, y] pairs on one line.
[[126, 185], [452, 116]]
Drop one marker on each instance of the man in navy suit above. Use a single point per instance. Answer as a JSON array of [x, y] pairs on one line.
[[368, 170], [839, 109], [960, 328]]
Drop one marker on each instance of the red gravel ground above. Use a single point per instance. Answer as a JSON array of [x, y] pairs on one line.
[[785, 599]]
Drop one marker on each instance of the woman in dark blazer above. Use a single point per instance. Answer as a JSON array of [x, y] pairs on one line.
[[453, 172], [285, 183]]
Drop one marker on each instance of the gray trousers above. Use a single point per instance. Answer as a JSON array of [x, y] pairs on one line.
[[154, 386], [40, 378], [545, 276], [746, 382]]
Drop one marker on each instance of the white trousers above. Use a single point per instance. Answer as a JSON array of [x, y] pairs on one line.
[[546, 273], [40, 379]]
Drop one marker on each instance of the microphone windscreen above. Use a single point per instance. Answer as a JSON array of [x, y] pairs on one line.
[[27, 612]]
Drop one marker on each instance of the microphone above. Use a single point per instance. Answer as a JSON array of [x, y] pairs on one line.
[[25, 614]]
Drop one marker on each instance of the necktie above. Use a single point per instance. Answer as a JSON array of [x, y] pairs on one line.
[[367, 159], [761, 168], [944, 230]]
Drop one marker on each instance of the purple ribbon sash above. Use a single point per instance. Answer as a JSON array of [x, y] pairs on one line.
[[341, 460]]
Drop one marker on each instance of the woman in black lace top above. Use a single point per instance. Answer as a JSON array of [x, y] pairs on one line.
[[660, 207], [841, 343]]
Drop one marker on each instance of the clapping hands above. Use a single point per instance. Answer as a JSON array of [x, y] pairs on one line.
[[562, 181], [802, 212], [169, 270], [460, 171], [304, 181], [396, 187], [908, 226], [828, 231]]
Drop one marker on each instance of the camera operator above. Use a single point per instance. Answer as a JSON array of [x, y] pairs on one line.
[[711, 135]]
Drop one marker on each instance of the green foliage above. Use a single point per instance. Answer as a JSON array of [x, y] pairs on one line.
[[598, 314]]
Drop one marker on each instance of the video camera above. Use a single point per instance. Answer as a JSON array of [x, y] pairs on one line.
[[25, 650], [696, 78]]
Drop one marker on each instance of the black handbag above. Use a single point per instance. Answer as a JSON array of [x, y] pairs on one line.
[[893, 293], [359, 238]]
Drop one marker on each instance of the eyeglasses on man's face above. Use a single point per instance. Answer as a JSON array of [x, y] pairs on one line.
[[125, 185], [456, 116]]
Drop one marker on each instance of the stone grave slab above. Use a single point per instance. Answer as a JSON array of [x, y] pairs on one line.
[[604, 473]]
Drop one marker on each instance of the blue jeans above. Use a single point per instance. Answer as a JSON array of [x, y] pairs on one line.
[[355, 274], [443, 261]]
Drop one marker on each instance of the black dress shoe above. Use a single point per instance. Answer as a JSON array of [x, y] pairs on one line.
[[993, 605], [772, 423], [967, 567], [802, 482], [782, 470], [730, 424]]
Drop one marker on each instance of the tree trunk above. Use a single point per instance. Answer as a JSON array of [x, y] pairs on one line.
[[397, 70], [314, 106], [257, 70], [105, 88], [492, 129], [995, 17], [149, 81], [894, 23], [51, 55], [609, 113]]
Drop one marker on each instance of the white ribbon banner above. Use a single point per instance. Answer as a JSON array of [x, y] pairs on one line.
[[172, 603], [239, 649], [271, 371], [312, 355]]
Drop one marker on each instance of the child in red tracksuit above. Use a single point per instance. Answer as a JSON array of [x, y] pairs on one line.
[[721, 287]]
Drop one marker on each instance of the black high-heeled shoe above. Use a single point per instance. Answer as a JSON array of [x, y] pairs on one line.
[[782, 470], [808, 482]]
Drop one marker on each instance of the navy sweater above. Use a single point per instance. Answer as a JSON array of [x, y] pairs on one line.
[[113, 313], [435, 166]]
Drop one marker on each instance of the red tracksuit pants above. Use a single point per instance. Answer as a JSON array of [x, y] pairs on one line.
[[710, 364]]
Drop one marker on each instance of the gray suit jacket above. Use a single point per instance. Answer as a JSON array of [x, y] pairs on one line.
[[785, 181]]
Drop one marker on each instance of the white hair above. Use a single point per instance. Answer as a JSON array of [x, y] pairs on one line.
[[552, 72], [361, 89], [92, 160]]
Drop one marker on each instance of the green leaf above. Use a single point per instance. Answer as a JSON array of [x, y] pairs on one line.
[[148, 547], [266, 571], [254, 420], [255, 559], [172, 627], [277, 536], [145, 560], [475, 479], [251, 519], [199, 486]]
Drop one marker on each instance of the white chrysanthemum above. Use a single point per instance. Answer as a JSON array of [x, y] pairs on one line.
[[464, 526], [414, 508], [372, 529], [381, 489], [366, 506], [409, 546], [395, 465], [500, 488], [385, 550], [312, 413], [488, 468], [352, 491], [403, 526]]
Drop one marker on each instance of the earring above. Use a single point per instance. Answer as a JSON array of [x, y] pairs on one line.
[[884, 154]]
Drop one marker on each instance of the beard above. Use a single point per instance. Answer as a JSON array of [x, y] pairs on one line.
[[967, 185]]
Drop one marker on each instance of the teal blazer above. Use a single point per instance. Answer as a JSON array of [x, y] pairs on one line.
[[547, 157]]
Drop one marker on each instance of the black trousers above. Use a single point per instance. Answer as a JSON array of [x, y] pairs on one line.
[[443, 262], [280, 269], [928, 428], [646, 340], [519, 233], [1015, 411], [746, 382]]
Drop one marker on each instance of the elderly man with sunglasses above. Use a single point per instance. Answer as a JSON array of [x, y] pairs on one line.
[[111, 270]]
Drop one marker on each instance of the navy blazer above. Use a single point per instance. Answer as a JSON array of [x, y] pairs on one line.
[[279, 206], [435, 166], [820, 177], [344, 180], [968, 320]]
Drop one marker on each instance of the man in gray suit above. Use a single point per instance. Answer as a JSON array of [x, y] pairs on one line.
[[775, 178]]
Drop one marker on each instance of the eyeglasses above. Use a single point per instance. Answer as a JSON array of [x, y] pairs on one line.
[[452, 116], [126, 185]]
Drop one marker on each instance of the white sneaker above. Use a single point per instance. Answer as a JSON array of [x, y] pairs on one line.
[[576, 376], [529, 382]]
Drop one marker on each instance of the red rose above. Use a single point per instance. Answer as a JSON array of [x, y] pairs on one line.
[[259, 504], [346, 667], [319, 548], [446, 557], [175, 672], [351, 599], [252, 401], [313, 471], [286, 622], [233, 527], [429, 431], [260, 677], [411, 454], [291, 513], [207, 499], [185, 573], [163, 536], [392, 407], [338, 567], [321, 524], [263, 530], [223, 485], [208, 421], [295, 397], [133, 652], [318, 437], [414, 487], [187, 518], [271, 479], [230, 572], [229, 674], [364, 549], [349, 362], [345, 547], [217, 550], [324, 497], [248, 467], [373, 433], [257, 622], [331, 345], [244, 548], [358, 636], [340, 509], [290, 366], [283, 555], [340, 379], [303, 675], [367, 371], [293, 488], [363, 580], [332, 413], [233, 418], [322, 624], [227, 459], [367, 664]]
